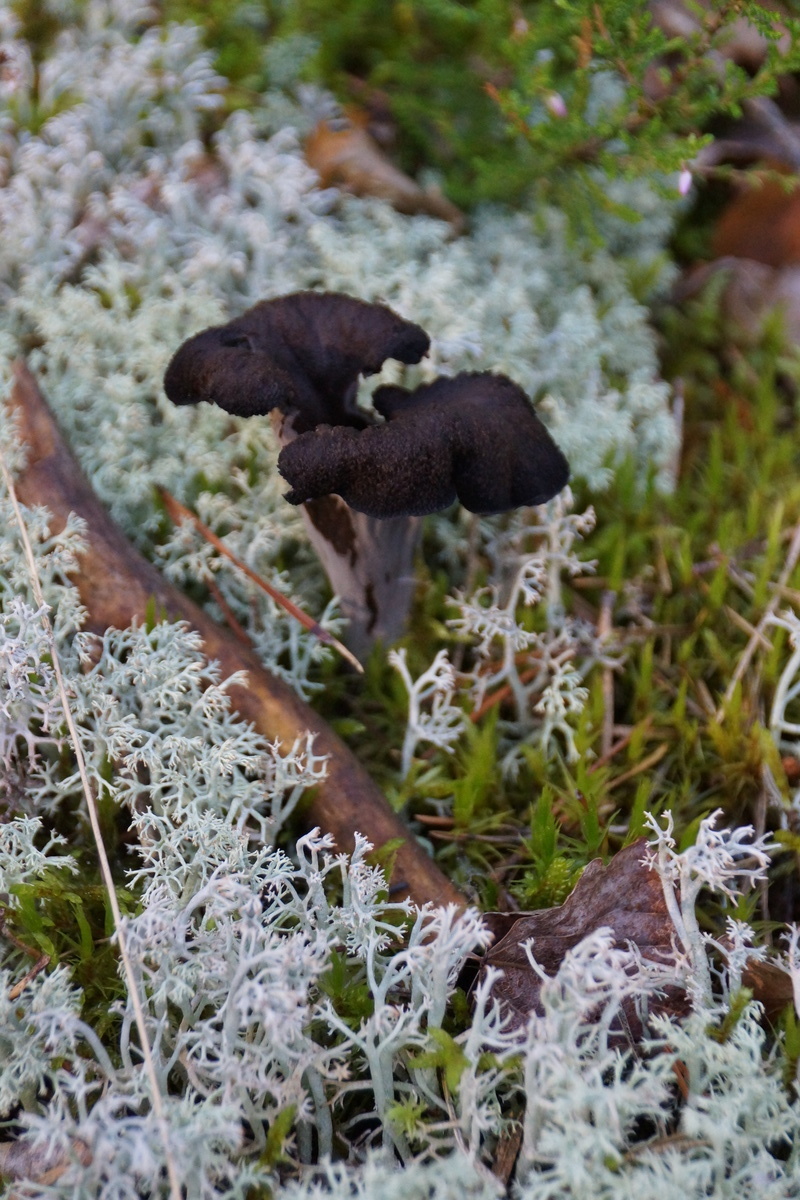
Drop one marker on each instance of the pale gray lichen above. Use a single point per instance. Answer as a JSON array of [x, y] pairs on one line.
[[530, 558], [21, 859]]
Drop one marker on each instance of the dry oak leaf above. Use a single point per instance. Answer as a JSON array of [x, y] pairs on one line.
[[625, 896]]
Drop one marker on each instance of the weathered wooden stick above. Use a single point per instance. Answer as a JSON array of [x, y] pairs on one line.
[[117, 584]]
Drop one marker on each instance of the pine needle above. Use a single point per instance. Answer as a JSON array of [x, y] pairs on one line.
[[179, 512]]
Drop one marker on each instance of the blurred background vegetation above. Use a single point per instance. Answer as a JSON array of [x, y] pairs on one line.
[[501, 99]]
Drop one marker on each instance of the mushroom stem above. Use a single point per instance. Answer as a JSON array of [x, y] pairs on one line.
[[368, 560], [370, 565]]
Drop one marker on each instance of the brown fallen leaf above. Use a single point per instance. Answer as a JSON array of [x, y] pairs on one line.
[[626, 896], [771, 985], [38, 1164], [344, 155], [761, 223], [752, 293], [506, 1154]]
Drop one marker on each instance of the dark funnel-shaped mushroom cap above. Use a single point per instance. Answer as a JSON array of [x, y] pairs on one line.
[[301, 353], [474, 437]]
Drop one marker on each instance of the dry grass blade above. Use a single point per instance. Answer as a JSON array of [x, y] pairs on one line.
[[605, 625], [757, 635], [179, 512], [94, 820], [650, 761], [625, 740]]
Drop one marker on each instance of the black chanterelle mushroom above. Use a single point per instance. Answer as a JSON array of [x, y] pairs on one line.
[[301, 354], [362, 485], [474, 437]]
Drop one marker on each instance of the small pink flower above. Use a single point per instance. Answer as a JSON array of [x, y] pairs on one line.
[[555, 105], [684, 181]]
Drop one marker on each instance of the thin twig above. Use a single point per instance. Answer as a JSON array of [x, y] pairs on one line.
[[737, 619], [742, 582], [19, 987], [238, 630], [105, 867], [443, 822], [42, 960], [500, 695], [785, 593], [759, 829], [707, 700], [179, 512], [742, 623]]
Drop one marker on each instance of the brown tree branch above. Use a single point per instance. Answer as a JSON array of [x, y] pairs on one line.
[[117, 585]]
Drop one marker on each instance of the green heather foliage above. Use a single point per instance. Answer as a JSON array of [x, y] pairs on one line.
[[504, 97], [310, 1037]]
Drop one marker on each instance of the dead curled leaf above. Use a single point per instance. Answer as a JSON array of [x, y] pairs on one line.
[[752, 293], [40, 1164], [771, 985], [344, 155], [625, 896]]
